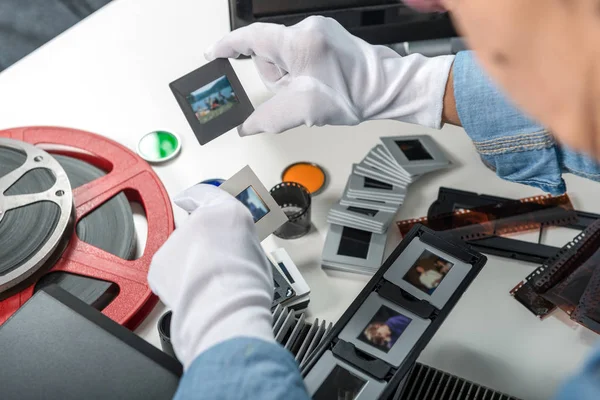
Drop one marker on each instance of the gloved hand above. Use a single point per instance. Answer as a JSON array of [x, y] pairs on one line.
[[213, 274], [322, 74]]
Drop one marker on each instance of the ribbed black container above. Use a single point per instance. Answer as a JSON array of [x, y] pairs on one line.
[[294, 199], [164, 331]]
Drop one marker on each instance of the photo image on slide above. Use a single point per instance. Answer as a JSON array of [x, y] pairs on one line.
[[212, 100], [428, 272], [340, 385], [384, 329], [254, 203]]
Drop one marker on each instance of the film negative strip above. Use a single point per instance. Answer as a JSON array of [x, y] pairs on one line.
[[535, 291], [450, 200], [533, 301], [563, 263], [503, 218], [587, 312], [295, 201], [99, 264], [567, 295]]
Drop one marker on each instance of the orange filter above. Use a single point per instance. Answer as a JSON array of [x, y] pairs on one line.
[[309, 175]]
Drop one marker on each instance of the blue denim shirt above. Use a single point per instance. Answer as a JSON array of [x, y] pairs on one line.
[[517, 148]]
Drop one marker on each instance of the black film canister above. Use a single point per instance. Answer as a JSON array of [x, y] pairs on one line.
[[164, 331], [294, 199]]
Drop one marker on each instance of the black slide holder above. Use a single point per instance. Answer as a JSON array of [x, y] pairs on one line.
[[371, 365]]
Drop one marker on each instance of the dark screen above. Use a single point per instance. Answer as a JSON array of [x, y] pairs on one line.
[[364, 211], [413, 150], [266, 7], [340, 384], [354, 243], [375, 184], [48, 347]]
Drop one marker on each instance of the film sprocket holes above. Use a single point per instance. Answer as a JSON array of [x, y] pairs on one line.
[[417, 155], [212, 99], [427, 273], [451, 199], [496, 219], [332, 377], [384, 330], [247, 188], [354, 247]]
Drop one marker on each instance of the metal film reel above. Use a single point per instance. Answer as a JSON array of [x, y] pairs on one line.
[[98, 264], [36, 213]]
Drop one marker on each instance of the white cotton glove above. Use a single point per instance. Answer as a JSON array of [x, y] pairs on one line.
[[321, 74], [213, 274]]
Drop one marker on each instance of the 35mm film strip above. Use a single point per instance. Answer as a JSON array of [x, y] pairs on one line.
[[512, 248], [570, 280], [511, 216]]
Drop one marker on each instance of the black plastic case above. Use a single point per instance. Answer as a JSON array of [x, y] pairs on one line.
[[56, 346]]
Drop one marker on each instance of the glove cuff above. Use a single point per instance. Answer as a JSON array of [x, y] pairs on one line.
[[414, 90]]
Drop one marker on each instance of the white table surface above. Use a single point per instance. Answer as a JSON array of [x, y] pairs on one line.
[[110, 75]]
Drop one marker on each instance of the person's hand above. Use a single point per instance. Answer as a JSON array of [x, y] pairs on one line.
[[322, 74], [213, 274]]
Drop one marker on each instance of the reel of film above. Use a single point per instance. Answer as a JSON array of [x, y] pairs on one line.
[[36, 209], [94, 257]]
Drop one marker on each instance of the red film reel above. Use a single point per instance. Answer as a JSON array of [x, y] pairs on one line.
[[128, 173]]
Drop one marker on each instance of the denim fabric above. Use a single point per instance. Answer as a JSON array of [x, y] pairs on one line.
[[586, 385], [517, 148], [242, 369]]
